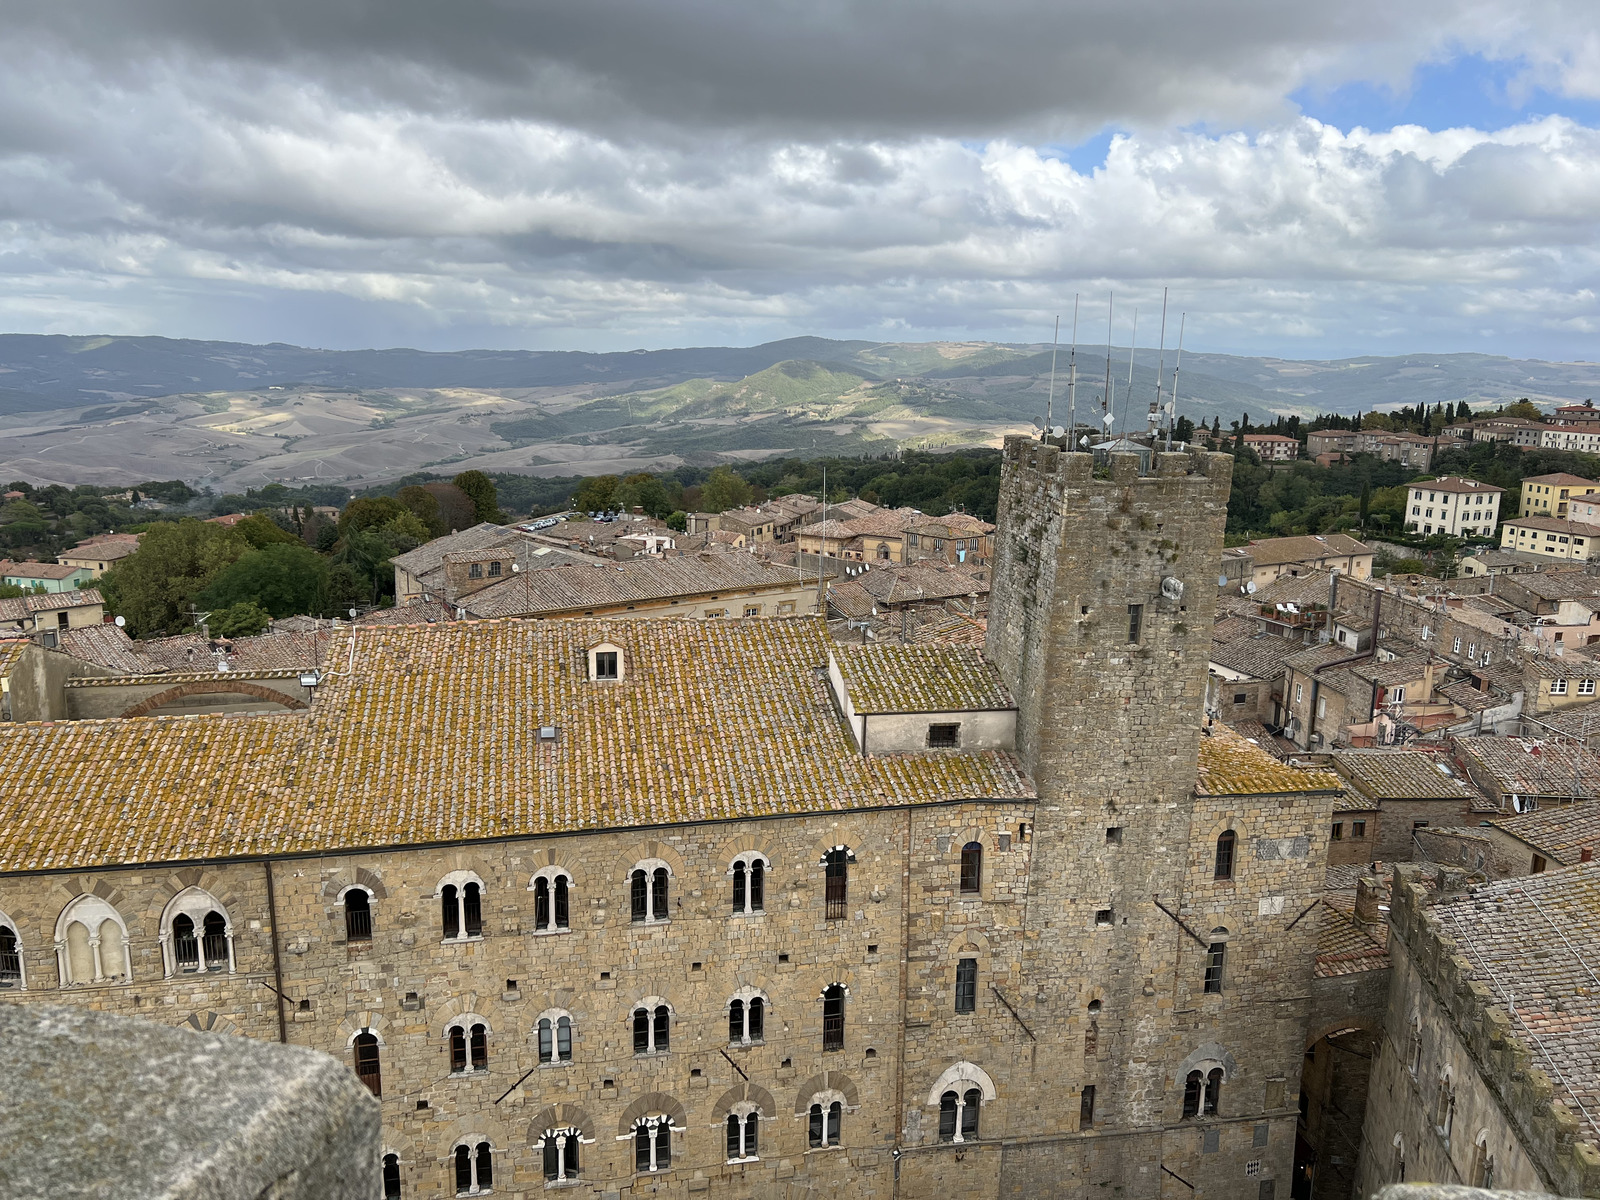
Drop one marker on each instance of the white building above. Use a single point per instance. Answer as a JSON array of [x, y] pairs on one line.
[[1585, 438], [1458, 507]]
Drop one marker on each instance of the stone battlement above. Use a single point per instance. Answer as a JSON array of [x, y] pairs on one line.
[[1049, 463]]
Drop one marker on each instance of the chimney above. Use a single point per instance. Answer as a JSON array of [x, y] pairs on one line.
[[1369, 891]]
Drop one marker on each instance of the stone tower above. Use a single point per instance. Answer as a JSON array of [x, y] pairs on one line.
[[1100, 621]]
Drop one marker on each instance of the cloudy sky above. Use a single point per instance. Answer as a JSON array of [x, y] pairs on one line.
[[1310, 179]]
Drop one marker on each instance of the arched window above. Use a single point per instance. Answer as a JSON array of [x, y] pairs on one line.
[[552, 900], [1091, 1035], [743, 1132], [1193, 1091], [833, 1017], [461, 906], [648, 891], [555, 1037], [652, 1028], [365, 1049], [474, 1168], [91, 943], [10, 957], [652, 1144], [195, 934], [747, 1018], [1398, 1170], [1444, 1107], [1213, 1092], [972, 868], [750, 883], [1216, 955], [1225, 846], [391, 1175], [561, 1148], [1415, 1063], [469, 1044], [1482, 1163], [967, 985], [836, 882], [958, 1115], [478, 1045], [825, 1122], [357, 915]]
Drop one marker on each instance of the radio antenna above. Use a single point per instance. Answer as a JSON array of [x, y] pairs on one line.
[[1127, 392], [1050, 398], [1161, 369], [1108, 401], [1072, 378], [1172, 404]]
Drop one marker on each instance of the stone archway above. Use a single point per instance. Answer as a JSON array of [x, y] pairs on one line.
[[1333, 1106], [202, 687]]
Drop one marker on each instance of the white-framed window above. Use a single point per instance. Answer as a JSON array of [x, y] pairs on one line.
[[749, 872], [652, 1143], [747, 1017], [606, 662], [91, 943], [825, 1120], [652, 1026], [196, 935], [460, 896], [961, 1092], [1456, 647], [1472, 649], [13, 968], [1398, 694], [552, 899], [474, 1166], [743, 1132], [1585, 687], [649, 891], [555, 1036], [468, 1036], [1299, 693]]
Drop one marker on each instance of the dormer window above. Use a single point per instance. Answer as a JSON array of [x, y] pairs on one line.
[[474, 570], [494, 570], [605, 662]]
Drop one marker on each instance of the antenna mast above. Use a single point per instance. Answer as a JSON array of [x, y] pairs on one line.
[[1122, 423], [1107, 401], [1172, 404], [1072, 378], [1161, 369], [1050, 398]]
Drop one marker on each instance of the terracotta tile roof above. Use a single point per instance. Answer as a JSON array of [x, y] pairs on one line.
[[11, 653], [1464, 694], [1252, 730], [1577, 721], [1401, 775], [1562, 479], [1560, 832], [434, 738], [1529, 766], [1260, 657], [905, 584], [37, 570], [22, 608], [418, 612], [1555, 525], [286, 650], [1454, 483], [891, 679], [1530, 941], [430, 555], [1344, 945], [106, 646], [1272, 551], [110, 549], [1558, 585], [575, 587], [1231, 765], [1231, 628]]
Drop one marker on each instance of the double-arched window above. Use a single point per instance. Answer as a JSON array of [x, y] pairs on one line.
[[749, 872], [555, 1036], [1202, 1093], [196, 934], [469, 1044], [652, 1143], [652, 1027], [474, 1168], [364, 1054], [11, 966], [826, 1118], [91, 943], [958, 1114], [552, 900], [561, 1150], [972, 869], [743, 1129], [461, 906], [747, 1018], [648, 891]]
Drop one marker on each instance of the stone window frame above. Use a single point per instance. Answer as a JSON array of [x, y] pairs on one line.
[[1444, 1105], [1414, 1058], [79, 911], [464, 1021], [564, 1135], [653, 1121], [823, 1100], [652, 1005], [551, 873], [743, 996], [650, 866], [21, 982], [555, 1016], [748, 858], [743, 1111], [376, 1035], [1482, 1161], [339, 898], [962, 1078], [196, 903], [459, 880], [474, 1142], [384, 1155]]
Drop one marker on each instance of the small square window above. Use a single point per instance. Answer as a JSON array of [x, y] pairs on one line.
[[1358, 830], [605, 664], [1338, 831], [1104, 918], [1114, 835], [947, 736]]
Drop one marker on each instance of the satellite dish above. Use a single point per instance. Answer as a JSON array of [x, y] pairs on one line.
[[1058, 430], [1250, 587], [121, 621], [1222, 581], [352, 614]]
